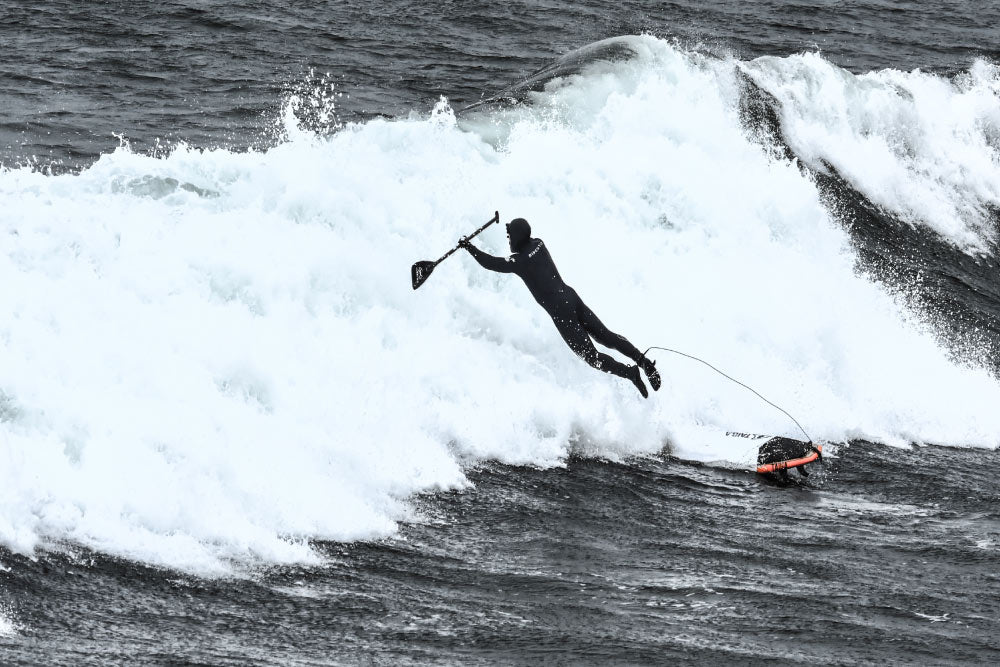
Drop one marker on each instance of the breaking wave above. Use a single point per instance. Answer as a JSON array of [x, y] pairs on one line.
[[209, 359]]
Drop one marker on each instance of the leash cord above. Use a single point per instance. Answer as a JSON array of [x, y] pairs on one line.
[[729, 377]]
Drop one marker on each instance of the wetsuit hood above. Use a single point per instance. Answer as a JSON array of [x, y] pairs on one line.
[[518, 233]]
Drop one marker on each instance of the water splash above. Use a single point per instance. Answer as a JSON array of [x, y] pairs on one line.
[[207, 382]]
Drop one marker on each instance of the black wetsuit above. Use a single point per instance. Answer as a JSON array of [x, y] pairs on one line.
[[574, 320]]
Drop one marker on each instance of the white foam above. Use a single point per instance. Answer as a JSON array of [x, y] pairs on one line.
[[8, 628], [924, 147], [212, 358]]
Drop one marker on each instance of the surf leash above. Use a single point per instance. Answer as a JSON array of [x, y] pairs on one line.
[[731, 378]]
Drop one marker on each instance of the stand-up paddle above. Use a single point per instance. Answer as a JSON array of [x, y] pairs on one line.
[[421, 271]]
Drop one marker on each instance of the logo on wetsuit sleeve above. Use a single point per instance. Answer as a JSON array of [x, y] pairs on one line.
[[535, 251]]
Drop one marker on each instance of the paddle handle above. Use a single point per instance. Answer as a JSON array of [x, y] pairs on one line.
[[495, 218]]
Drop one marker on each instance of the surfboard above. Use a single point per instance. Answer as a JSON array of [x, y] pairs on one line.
[[778, 453]]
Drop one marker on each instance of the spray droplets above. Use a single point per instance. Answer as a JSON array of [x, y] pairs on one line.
[[310, 108]]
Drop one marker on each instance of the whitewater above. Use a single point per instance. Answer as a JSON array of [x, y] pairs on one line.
[[210, 359]]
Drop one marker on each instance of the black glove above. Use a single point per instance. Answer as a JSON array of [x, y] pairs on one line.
[[464, 242]]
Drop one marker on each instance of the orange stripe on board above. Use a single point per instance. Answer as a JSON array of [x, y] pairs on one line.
[[791, 463]]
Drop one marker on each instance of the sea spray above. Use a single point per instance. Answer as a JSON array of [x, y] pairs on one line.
[[925, 147]]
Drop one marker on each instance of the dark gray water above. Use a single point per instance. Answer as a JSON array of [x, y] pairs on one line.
[[655, 561], [213, 73], [885, 555]]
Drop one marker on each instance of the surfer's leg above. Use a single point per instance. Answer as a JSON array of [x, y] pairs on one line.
[[576, 337], [617, 342], [604, 335]]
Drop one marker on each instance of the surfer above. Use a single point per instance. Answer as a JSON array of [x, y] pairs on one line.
[[576, 323]]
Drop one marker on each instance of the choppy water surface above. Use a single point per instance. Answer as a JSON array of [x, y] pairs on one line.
[[232, 432], [702, 565], [213, 73]]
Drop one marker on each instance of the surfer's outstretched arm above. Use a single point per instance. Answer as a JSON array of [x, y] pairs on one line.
[[488, 261]]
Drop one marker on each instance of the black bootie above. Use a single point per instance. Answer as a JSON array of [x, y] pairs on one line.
[[649, 367], [636, 377]]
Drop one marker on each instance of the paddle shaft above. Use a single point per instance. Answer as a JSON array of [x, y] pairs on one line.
[[421, 271], [495, 218]]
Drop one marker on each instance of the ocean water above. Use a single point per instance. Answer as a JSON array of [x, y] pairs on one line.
[[232, 433]]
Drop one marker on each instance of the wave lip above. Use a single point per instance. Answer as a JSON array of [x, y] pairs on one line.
[[925, 147]]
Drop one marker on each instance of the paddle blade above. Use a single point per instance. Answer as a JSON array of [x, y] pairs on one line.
[[420, 272]]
